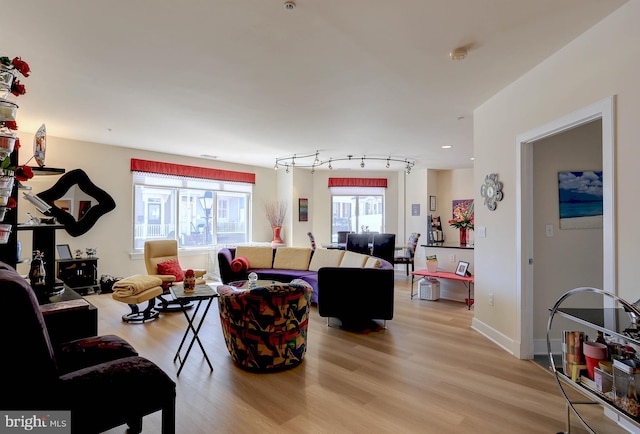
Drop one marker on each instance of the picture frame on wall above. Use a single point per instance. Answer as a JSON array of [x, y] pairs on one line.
[[432, 203], [303, 209], [461, 269]]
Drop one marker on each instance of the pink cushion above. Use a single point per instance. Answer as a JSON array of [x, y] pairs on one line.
[[239, 264], [172, 268]]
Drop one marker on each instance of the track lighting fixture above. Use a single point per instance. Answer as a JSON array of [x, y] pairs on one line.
[[313, 160]]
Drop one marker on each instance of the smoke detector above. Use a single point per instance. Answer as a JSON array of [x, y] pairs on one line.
[[459, 53], [289, 6]]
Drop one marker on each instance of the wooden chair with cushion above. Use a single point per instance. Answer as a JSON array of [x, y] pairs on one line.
[[161, 260], [408, 253]]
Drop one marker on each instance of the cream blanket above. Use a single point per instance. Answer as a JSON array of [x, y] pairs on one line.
[[135, 284]]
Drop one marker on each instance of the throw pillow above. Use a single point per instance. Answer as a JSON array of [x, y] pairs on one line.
[[353, 259], [172, 268], [373, 263], [258, 257], [325, 258], [239, 264], [292, 258]]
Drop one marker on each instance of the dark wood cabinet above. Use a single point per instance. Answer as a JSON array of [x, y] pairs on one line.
[[69, 316], [79, 274]]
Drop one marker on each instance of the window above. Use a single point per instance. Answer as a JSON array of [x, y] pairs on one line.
[[356, 209], [197, 212]]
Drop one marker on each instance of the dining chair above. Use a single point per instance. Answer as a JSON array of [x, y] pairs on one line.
[[384, 246], [358, 243], [408, 253], [342, 236]]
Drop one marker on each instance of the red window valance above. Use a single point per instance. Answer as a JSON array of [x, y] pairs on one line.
[[191, 171], [358, 182]]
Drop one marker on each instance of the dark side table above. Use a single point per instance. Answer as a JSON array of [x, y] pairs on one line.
[[201, 293]]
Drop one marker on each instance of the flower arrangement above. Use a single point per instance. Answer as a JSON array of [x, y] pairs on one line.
[[22, 173], [275, 211], [16, 64], [462, 215], [10, 67]]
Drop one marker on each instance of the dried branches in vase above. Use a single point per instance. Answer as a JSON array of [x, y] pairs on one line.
[[275, 212]]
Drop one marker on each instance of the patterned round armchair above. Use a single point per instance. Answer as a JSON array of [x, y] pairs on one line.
[[265, 328]]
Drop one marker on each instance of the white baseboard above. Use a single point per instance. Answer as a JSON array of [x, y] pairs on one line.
[[509, 345]]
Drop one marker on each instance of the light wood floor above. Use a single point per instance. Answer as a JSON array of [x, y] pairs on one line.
[[429, 372]]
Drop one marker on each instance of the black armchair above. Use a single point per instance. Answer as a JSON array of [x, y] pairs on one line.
[[101, 380], [356, 295]]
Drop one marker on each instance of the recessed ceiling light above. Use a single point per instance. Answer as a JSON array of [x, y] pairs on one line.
[[459, 53], [446, 146], [289, 6], [472, 158]]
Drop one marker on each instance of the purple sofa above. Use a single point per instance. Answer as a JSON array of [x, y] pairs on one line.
[[331, 275]]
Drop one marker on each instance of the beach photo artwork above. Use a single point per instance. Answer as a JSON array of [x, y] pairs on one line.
[[580, 195]]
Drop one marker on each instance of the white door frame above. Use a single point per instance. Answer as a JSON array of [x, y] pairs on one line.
[[605, 110]]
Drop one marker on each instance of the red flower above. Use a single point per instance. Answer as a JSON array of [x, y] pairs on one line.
[[16, 145], [21, 66], [11, 203], [24, 173], [18, 88], [12, 125]]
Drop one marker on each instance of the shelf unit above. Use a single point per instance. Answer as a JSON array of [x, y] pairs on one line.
[[615, 322], [79, 274]]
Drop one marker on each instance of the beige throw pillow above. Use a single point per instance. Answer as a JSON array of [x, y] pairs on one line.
[[353, 259], [292, 258], [258, 257], [325, 258], [372, 263]]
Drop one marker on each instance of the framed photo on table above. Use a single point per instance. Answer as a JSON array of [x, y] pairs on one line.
[[461, 269]]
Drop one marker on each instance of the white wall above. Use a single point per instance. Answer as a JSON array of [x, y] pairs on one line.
[[602, 62], [109, 168]]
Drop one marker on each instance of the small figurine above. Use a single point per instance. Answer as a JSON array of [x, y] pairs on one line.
[[37, 273], [189, 281], [91, 252], [78, 254]]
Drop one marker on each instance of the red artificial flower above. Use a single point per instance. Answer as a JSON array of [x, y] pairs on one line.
[[12, 125], [11, 203], [21, 66], [18, 88], [23, 173]]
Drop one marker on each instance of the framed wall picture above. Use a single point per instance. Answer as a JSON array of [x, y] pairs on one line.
[[415, 209], [432, 203], [64, 252], [303, 209], [461, 269]]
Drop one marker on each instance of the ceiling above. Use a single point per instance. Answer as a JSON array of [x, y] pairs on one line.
[[248, 81]]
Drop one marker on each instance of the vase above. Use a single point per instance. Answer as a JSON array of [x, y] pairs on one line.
[[276, 235], [463, 235]]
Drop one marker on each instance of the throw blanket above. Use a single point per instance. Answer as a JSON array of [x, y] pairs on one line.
[[136, 284]]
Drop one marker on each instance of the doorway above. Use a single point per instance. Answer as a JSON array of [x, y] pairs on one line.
[[604, 111]]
